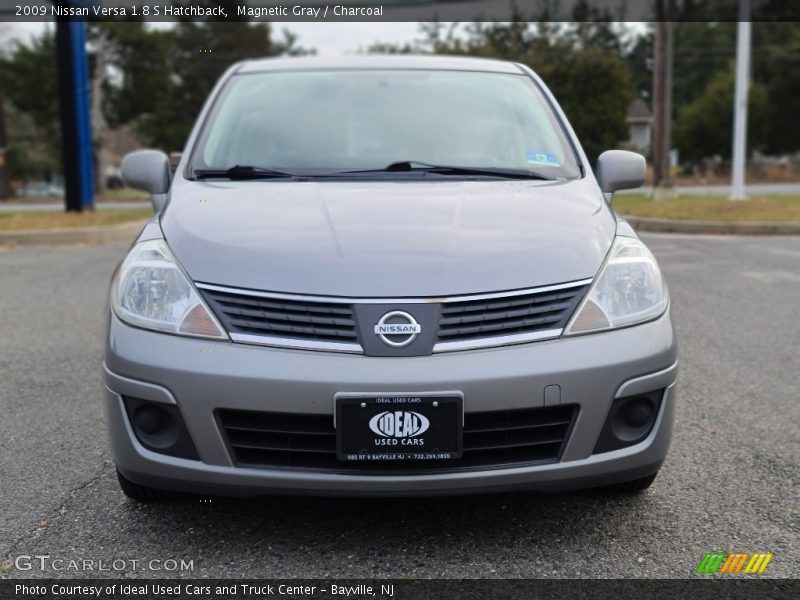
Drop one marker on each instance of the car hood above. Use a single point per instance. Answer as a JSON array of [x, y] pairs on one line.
[[388, 239]]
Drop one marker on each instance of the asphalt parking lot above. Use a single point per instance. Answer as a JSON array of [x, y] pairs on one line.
[[730, 482]]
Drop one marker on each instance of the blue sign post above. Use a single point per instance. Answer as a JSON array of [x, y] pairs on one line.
[[76, 127]]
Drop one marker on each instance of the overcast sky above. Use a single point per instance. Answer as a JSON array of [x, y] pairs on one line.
[[329, 39]]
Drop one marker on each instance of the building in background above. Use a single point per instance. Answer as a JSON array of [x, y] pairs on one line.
[[640, 126]]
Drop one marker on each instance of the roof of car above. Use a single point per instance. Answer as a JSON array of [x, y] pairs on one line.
[[393, 61]]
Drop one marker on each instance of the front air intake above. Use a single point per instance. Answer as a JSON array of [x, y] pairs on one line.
[[491, 439]]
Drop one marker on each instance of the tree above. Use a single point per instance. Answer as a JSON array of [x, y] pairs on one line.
[[29, 77], [153, 80], [137, 79], [703, 55], [581, 64], [702, 51], [594, 89], [639, 56], [777, 64], [703, 127], [162, 78]]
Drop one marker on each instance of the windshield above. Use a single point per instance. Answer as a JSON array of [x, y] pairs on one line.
[[333, 121]]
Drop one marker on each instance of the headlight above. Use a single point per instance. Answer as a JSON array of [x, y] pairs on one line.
[[150, 290], [628, 290]]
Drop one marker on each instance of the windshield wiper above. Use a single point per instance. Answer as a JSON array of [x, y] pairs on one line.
[[419, 166], [241, 172]]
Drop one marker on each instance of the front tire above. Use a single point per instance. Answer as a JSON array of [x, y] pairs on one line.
[[142, 493]]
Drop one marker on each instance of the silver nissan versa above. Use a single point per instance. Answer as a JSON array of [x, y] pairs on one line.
[[386, 276]]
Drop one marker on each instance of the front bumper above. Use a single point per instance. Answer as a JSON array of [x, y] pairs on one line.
[[203, 376]]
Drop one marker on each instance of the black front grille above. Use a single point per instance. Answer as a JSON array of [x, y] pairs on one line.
[[491, 439], [299, 320], [509, 315]]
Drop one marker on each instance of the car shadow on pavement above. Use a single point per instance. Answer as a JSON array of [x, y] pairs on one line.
[[360, 526]]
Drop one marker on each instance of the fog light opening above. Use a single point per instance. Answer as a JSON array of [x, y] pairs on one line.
[[633, 419], [638, 412], [159, 427], [150, 419], [629, 421], [155, 425]]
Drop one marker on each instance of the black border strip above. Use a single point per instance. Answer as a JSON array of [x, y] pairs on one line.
[[729, 587], [402, 10]]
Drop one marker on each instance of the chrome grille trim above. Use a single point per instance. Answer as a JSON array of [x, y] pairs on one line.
[[412, 300], [500, 340], [356, 348], [281, 342]]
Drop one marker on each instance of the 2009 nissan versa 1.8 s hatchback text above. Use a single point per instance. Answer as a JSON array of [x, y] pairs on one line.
[[386, 276]]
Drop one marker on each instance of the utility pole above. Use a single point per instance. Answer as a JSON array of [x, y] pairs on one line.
[[76, 129], [740, 96], [5, 184], [662, 102]]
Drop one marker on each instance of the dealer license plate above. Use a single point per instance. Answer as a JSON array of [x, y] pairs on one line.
[[390, 428]]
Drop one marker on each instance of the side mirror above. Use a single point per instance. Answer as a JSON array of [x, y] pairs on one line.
[[620, 170], [148, 170]]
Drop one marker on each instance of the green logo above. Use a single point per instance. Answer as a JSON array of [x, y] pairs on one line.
[[734, 562]]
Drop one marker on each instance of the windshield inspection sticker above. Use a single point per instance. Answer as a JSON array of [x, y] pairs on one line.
[[545, 159]]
